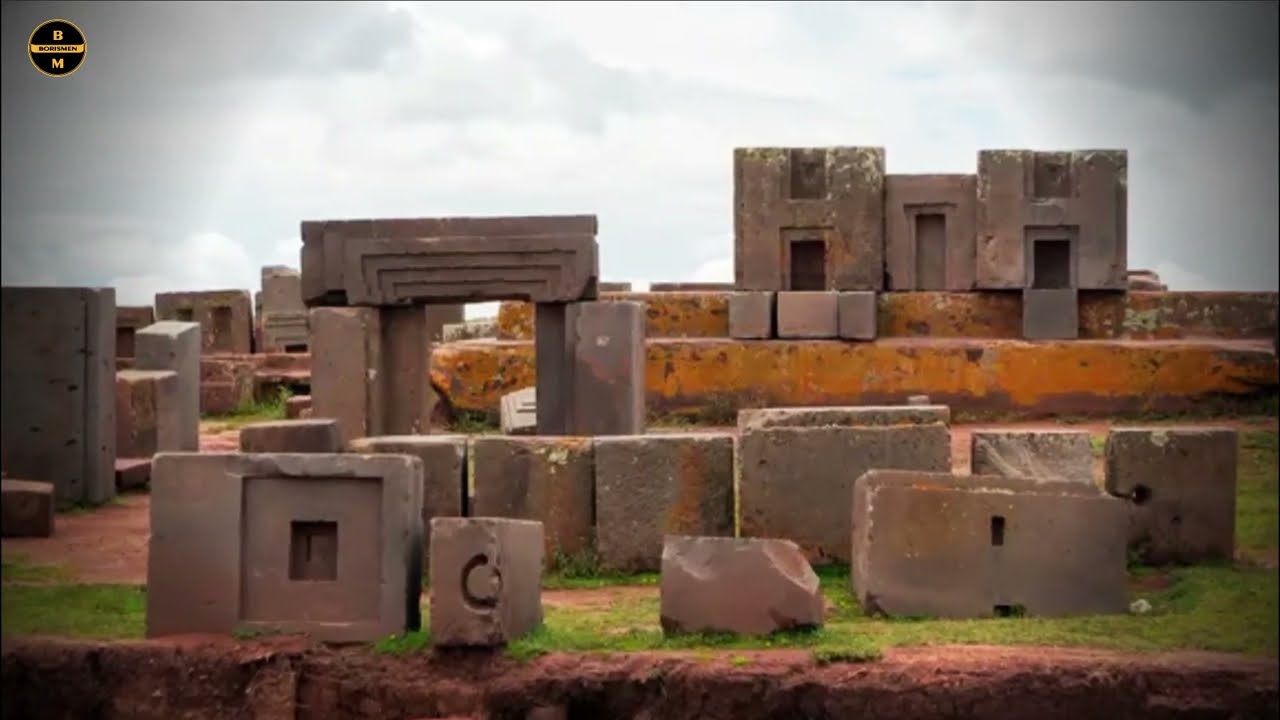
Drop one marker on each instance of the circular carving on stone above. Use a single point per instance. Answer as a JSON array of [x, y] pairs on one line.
[[481, 582]]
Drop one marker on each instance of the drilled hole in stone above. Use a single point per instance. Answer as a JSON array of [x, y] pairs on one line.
[[1141, 494], [997, 530], [313, 550]]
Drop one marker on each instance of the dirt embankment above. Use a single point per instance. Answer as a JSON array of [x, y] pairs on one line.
[[286, 678]]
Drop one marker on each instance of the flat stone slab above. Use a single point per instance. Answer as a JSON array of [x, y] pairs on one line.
[[295, 406], [948, 546], [26, 508], [1181, 487], [737, 585], [488, 580], [1047, 455], [316, 435], [148, 413], [650, 486]]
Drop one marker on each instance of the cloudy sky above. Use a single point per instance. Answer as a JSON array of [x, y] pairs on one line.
[[186, 150]]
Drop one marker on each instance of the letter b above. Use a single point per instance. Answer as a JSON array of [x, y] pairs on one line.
[[57, 36]]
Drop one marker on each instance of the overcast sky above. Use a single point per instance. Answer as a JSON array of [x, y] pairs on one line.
[[185, 151]]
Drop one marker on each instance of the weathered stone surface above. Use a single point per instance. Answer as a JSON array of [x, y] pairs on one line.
[[614, 287], [797, 479], [1052, 219], [58, 387], [295, 406], [518, 413], [148, 414], [488, 586], [175, 346], [326, 545], [450, 260], [320, 435], [470, 330], [285, 331], [751, 315], [1044, 455], [649, 486], [607, 395], [929, 231], [444, 463], [133, 473], [548, 479], [851, 416], [809, 315], [225, 317], [1050, 314], [940, 545], [919, 400], [808, 218], [281, 289], [737, 585], [857, 315], [1146, 280], [26, 508], [1181, 486], [226, 385], [130, 319]]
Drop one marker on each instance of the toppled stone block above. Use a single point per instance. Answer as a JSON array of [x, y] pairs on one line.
[[857, 315], [1045, 455], [175, 346], [129, 320], [947, 546], [320, 435], [132, 473], [798, 466], [737, 585], [1181, 487], [26, 508], [148, 416], [547, 479], [324, 545], [518, 412], [296, 405], [1050, 314], [225, 317], [929, 229], [751, 315], [807, 315], [488, 580], [650, 486]]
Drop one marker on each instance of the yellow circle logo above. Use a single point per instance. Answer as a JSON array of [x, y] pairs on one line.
[[57, 48]]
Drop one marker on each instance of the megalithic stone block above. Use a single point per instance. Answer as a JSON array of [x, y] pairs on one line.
[[1044, 455], [148, 415], [1050, 314], [225, 317], [487, 587], [929, 231], [318, 435], [175, 346], [449, 260], [26, 508], [129, 320], [590, 368]]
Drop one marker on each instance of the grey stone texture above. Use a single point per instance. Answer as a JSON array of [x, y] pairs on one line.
[[649, 486], [324, 545], [808, 218], [590, 359], [1050, 314], [133, 473], [450, 260], [316, 435], [130, 319], [929, 232], [148, 413], [1181, 487], [947, 546], [487, 587], [857, 315], [1045, 455], [58, 385], [175, 346], [751, 315], [26, 508], [737, 585], [282, 314], [518, 412], [225, 317], [547, 479], [808, 315], [798, 465], [1068, 208]]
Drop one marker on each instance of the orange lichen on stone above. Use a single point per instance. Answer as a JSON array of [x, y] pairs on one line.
[[1078, 377], [669, 314]]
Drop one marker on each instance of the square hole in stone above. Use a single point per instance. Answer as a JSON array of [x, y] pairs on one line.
[[1051, 264], [313, 550], [222, 322], [808, 265], [186, 315]]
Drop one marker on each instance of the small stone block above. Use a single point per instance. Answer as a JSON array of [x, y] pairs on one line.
[[488, 580], [857, 313], [1050, 314], [148, 414], [751, 315], [918, 400], [808, 315], [296, 405], [26, 509], [518, 412], [321, 435], [1044, 455], [133, 473]]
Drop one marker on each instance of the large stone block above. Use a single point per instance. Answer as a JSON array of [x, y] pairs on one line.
[[450, 260], [1051, 220], [590, 368], [518, 412], [444, 472], [650, 486], [857, 315], [808, 218], [326, 545], [1050, 314], [148, 413], [737, 585], [130, 319], [1045, 455], [317, 435], [225, 317], [1181, 486], [175, 346], [751, 315], [808, 315], [58, 388], [26, 508], [548, 479], [798, 467], [281, 289], [285, 331], [929, 231], [940, 545], [488, 583]]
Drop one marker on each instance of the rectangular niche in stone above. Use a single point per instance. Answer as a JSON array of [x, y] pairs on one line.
[[929, 231], [327, 545]]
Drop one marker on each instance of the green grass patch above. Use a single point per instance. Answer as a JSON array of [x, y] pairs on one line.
[[107, 612], [1258, 498], [251, 411], [17, 569], [473, 422]]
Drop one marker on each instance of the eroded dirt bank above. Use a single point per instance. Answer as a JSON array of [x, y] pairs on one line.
[[221, 679]]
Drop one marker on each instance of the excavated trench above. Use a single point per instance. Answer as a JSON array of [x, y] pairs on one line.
[[284, 678]]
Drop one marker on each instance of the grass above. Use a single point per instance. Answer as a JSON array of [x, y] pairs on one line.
[[252, 411], [1217, 608]]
